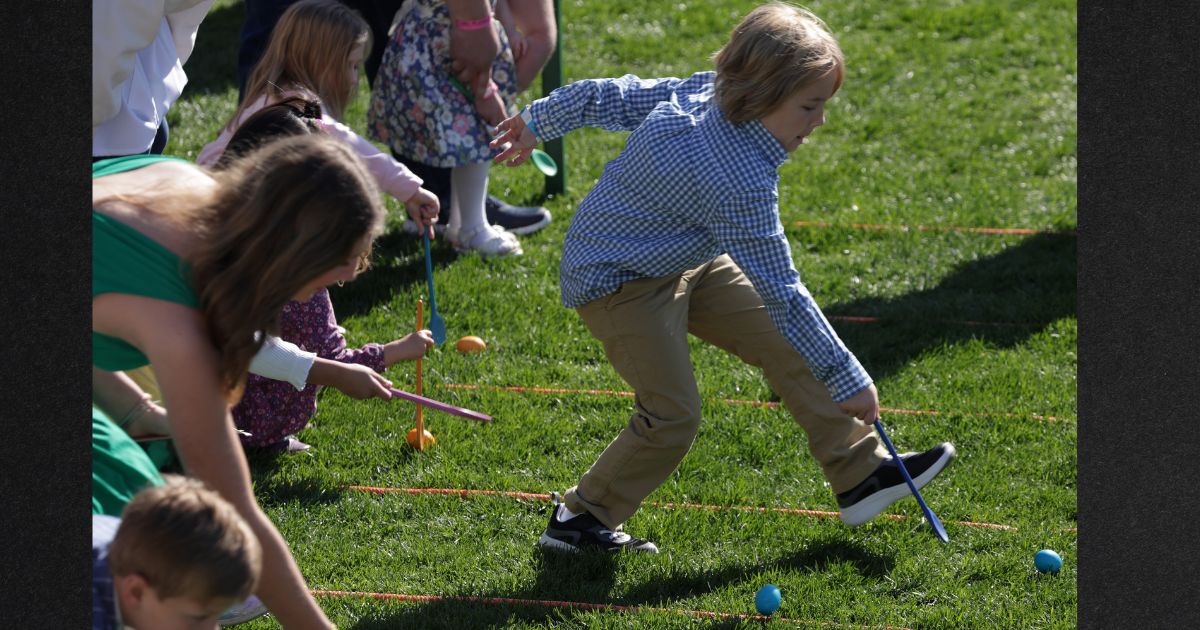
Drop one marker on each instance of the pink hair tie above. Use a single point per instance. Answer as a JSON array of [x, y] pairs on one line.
[[474, 25]]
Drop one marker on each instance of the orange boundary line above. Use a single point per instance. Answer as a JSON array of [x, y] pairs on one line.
[[926, 228], [731, 401], [534, 496], [551, 603]]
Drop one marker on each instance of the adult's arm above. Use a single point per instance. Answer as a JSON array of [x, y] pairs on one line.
[[172, 336], [120, 28], [184, 18], [127, 404], [535, 20], [472, 51]]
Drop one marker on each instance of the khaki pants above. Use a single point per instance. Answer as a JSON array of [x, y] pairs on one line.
[[644, 327]]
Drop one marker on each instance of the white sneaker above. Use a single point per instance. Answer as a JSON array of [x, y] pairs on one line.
[[486, 240]]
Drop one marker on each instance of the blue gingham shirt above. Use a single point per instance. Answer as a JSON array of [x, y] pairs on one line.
[[688, 187]]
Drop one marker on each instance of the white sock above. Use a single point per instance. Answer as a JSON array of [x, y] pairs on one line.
[[468, 192], [564, 514]]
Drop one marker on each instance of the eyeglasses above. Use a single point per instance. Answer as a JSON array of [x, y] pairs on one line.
[[363, 263]]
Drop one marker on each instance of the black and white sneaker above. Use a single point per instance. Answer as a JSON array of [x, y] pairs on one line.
[[886, 485], [584, 532]]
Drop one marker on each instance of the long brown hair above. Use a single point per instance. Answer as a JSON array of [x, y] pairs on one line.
[[283, 215], [308, 50]]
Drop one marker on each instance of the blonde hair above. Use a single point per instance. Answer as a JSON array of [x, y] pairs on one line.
[[186, 541], [308, 50], [774, 52]]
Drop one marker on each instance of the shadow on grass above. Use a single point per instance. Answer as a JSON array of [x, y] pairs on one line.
[[397, 263], [212, 68], [590, 578], [1028, 286], [305, 491]]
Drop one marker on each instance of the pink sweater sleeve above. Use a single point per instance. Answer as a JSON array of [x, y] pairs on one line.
[[392, 177]]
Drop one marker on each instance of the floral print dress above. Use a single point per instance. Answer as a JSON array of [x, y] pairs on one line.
[[415, 108]]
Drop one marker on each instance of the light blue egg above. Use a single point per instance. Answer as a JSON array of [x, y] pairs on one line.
[[767, 599], [1047, 561]]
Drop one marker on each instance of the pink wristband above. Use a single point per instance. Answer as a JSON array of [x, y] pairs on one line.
[[473, 25]]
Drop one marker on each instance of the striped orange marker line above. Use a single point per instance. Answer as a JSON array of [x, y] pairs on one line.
[[533, 496], [731, 401], [927, 228], [553, 603]]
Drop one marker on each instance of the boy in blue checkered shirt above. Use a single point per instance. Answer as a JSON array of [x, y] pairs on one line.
[[682, 235]]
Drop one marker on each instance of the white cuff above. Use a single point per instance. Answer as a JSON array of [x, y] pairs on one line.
[[283, 361]]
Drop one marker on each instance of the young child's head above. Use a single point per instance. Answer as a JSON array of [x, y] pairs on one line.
[[317, 45], [298, 214], [780, 66], [181, 556], [294, 116]]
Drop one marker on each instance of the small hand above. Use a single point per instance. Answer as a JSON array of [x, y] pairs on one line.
[[520, 141], [864, 405], [408, 348], [472, 53], [490, 107], [423, 207], [361, 382]]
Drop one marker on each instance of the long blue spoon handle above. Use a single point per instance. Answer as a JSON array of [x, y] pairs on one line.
[[429, 272], [934, 522]]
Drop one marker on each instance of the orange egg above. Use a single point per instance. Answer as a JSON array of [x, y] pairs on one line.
[[412, 439], [470, 343]]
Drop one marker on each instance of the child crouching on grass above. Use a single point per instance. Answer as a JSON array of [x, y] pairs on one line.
[[178, 557], [681, 235], [272, 411]]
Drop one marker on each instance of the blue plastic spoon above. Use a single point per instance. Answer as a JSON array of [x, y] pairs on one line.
[[436, 325]]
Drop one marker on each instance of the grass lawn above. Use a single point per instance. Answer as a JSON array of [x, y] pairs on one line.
[[958, 117]]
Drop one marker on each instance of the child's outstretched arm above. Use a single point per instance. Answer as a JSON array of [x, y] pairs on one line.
[[518, 137], [747, 226], [407, 348], [392, 176], [613, 104]]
